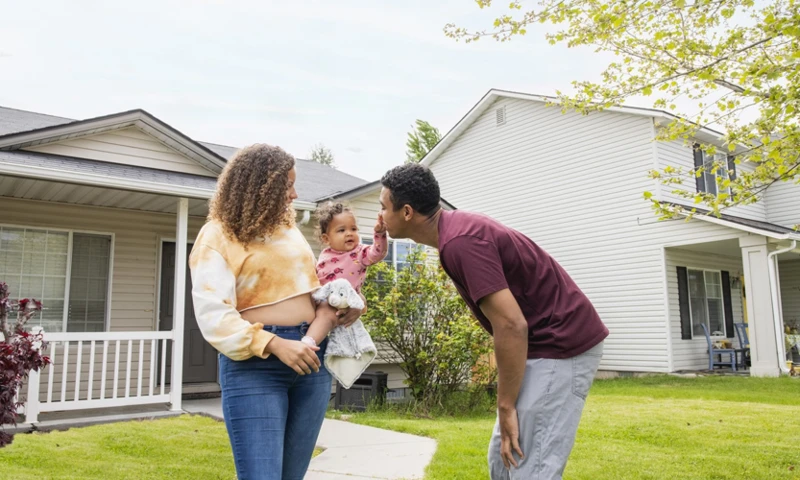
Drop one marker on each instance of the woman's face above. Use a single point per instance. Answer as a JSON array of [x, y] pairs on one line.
[[291, 194]]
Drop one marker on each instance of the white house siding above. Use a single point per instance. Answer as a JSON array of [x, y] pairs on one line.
[[574, 185], [680, 155], [783, 204], [135, 271], [790, 290], [692, 354], [128, 146]]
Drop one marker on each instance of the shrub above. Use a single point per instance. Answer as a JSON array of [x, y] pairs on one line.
[[20, 352]]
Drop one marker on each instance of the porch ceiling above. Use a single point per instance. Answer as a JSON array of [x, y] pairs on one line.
[[50, 191], [731, 248]]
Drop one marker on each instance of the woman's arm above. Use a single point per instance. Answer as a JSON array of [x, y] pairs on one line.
[[214, 298]]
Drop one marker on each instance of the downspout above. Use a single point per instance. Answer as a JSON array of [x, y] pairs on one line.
[[777, 313], [306, 217]]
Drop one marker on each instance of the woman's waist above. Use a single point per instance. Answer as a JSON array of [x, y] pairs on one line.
[[287, 313]]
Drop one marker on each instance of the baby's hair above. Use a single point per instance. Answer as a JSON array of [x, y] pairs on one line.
[[325, 214]]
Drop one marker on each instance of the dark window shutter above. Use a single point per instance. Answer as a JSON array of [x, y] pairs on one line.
[[727, 305], [698, 162], [683, 300], [731, 167]]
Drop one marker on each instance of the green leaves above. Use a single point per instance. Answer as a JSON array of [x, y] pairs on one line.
[[733, 64], [420, 320], [421, 140]]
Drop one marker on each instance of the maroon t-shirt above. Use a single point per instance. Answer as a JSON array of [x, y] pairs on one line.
[[483, 256]]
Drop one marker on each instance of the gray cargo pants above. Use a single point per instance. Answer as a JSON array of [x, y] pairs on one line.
[[549, 407]]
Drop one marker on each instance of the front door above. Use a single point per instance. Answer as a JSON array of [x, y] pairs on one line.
[[199, 358]]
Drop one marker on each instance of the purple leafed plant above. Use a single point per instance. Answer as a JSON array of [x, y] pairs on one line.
[[20, 352]]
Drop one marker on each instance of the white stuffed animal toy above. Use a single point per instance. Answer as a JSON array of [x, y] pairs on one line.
[[339, 294], [350, 349]]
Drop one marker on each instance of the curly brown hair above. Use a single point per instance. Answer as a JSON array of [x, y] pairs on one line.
[[325, 214], [251, 197]]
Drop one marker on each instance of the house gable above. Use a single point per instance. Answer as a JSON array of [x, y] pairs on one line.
[[129, 146], [131, 138]]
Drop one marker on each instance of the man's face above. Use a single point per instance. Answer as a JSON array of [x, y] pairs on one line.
[[395, 223]]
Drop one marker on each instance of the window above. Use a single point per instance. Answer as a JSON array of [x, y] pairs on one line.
[[399, 250], [710, 181], [38, 263], [706, 302]]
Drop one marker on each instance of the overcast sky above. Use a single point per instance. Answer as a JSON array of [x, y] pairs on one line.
[[353, 75]]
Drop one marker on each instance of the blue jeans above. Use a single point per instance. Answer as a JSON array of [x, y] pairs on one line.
[[272, 414]]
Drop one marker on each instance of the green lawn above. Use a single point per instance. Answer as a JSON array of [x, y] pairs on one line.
[[185, 447], [648, 428]]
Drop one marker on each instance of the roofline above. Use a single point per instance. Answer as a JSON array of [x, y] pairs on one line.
[[744, 228], [493, 94], [145, 120], [367, 188], [93, 180], [353, 192]]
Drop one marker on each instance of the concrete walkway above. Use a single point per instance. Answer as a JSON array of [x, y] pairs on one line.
[[354, 452]]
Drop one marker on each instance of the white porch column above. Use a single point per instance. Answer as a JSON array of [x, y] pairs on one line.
[[32, 402], [761, 322], [179, 303]]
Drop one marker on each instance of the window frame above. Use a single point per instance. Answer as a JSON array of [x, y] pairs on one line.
[[721, 172], [705, 302], [392, 246], [67, 283]]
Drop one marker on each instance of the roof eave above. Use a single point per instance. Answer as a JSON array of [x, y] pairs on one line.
[[139, 118], [705, 134], [744, 228]]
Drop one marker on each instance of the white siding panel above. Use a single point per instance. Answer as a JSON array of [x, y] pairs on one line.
[[679, 155], [574, 185], [136, 245], [783, 204], [366, 208], [127, 146], [790, 290], [693, 354]]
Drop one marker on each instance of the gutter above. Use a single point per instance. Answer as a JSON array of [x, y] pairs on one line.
[[777, 314]]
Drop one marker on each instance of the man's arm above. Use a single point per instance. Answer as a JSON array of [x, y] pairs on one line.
[[510, 331]]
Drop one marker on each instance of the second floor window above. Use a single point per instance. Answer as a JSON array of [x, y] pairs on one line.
[[717, 169]]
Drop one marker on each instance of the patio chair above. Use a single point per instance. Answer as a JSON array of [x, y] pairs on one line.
[[744, 342], [712, 352]]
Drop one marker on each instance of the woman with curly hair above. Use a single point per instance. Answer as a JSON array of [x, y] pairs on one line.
[[253, 274]]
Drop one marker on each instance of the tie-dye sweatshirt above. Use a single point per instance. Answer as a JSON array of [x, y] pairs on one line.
[[228, 279], [351, 265]]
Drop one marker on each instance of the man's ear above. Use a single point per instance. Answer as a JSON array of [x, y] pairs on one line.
[[408, 212]]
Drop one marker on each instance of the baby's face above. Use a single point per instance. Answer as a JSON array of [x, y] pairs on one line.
[[342, 234]]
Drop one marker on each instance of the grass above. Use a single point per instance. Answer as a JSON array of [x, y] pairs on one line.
[[647, 428], [185, 447]]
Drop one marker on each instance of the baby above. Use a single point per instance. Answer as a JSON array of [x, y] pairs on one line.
[[344, 256]]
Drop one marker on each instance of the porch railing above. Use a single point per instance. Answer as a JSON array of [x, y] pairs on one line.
[[99, 370]]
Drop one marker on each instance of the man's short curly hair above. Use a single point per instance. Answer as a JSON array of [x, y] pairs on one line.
[[414, 185], [251, 197]]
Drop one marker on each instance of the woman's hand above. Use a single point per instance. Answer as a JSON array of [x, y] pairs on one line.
[[347, 316], [297, 355]]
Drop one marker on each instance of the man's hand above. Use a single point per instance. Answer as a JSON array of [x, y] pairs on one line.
[[297, 355], [511, 351], [509, 436], [380, 227]]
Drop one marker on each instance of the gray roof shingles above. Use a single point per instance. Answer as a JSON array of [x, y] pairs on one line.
[[314, 181]]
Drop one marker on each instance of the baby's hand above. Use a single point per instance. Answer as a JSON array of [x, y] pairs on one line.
[[380, 227]]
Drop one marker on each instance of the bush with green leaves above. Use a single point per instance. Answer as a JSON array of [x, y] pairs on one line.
[[425, 326]]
